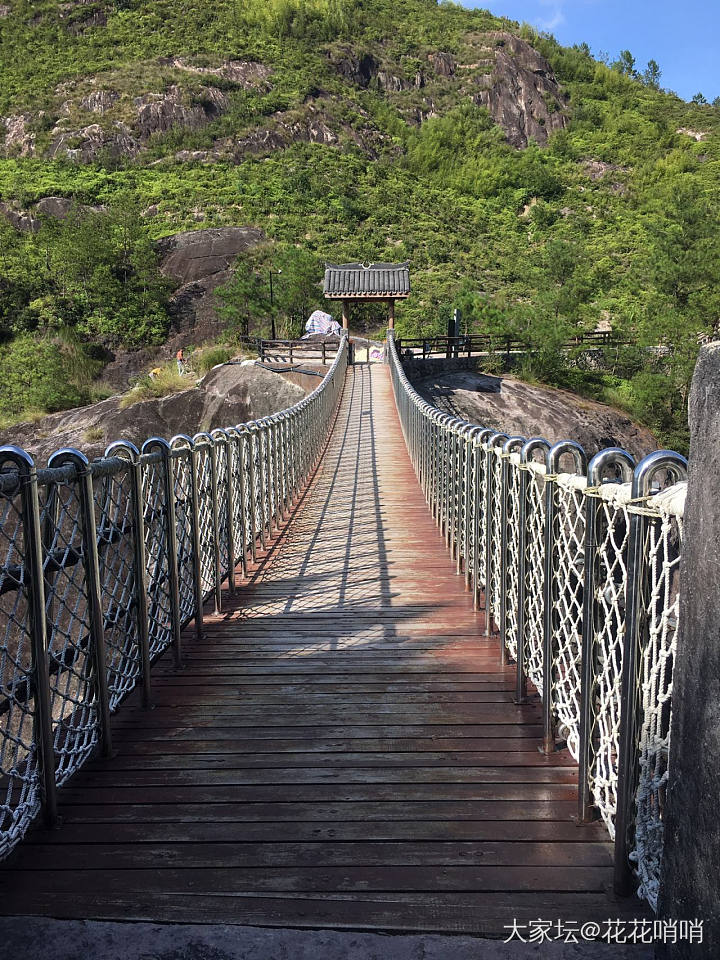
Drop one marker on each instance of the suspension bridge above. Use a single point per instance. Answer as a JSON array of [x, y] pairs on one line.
[[360, 664]]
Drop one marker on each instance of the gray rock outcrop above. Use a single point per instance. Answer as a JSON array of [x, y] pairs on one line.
[[159, 112], [199, 261], [522, 94], [18, 140], [517, 408]]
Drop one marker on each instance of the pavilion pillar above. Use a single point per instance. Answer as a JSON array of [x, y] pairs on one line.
[[346, 314], [391, 314]]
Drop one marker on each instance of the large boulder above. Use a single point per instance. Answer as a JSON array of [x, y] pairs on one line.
[[691, 859], [199, 261], [230, 394], [201, 254], [522, 409]]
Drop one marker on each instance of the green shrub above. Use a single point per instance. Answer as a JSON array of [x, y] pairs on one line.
[[40, 374], [167, 381], [204, 359]]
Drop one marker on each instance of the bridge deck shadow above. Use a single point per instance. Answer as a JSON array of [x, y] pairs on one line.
[[340, 749]]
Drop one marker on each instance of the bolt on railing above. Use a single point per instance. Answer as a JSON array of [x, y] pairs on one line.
[[103, 564], [578, 565]]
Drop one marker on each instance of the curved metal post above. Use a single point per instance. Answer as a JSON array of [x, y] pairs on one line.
[[128, 451], [526, 455], [511, 444], [617, 465], [80, 462], [163, 448], [182, 441], [222, 437], [199, 440], [490, 493], [552, 463], [34, 586]]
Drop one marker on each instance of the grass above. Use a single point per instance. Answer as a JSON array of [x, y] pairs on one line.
[[166, 382], [203, 359], [93, 435]]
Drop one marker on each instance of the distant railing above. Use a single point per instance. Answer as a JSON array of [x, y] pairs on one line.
[[292, 350], [104, 563], [481, 344], [579, 567]]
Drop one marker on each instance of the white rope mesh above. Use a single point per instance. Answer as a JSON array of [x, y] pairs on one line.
[[481, 466], [656, 666], [657, 574], [495, 479], [513, 556], [567, 612], [613, 530], [535, 576]]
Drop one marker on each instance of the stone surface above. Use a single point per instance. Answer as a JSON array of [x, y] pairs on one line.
[[22, 220], [246, 73], [99, 101], [71, 939], [444, 64], [159, 112], [230, 394], [18, 140], [198, 254], [56, 207], [519, 409], [199, 261], [690, 886], [524, 97]]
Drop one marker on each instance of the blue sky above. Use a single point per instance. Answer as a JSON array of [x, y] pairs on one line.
[[683, 37]]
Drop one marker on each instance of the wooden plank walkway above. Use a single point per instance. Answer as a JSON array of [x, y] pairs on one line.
[[342, 748]]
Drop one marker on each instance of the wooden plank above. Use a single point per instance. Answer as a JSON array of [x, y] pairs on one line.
[[119, 855], [86, 824], [484, 914], [16, 884]]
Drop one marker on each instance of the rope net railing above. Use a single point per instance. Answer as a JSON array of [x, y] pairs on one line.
[[577, 564], [103, 564]]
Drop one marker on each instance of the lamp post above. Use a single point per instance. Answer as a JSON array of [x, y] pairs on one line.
[[272, 314]]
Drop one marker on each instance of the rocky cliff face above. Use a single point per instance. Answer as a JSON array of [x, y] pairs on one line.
[[498, 70], [111, 115], [522, 94]]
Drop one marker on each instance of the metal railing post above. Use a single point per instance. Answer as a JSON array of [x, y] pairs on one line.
[[224, 439], [182, 441], [526, 454], [91, 566], [128, 451], [163, 448], [552, 463], [199, 440], [507, 448], [645, 475], [479, 457], [490, 493], [34, 585]]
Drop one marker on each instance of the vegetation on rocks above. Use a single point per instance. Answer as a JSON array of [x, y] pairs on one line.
[[538, 189]]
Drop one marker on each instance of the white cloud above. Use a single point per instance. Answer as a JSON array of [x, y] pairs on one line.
[[555, 17]]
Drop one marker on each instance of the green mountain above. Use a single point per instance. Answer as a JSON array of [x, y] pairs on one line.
[[536, 188]]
